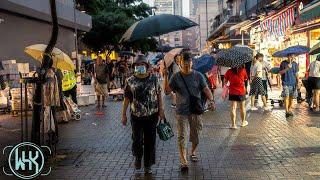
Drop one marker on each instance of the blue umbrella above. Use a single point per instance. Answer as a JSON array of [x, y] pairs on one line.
[[293, 50], [204, 63], [156, 59]]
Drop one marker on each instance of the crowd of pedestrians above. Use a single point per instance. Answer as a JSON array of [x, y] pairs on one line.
[[143, 94]]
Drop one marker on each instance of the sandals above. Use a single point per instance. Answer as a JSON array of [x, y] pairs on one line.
[[194, 158]]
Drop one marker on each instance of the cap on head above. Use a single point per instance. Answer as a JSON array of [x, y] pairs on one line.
[[141, 59]]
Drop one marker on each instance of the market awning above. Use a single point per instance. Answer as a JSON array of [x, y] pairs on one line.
[[311, 11], [239, 25]]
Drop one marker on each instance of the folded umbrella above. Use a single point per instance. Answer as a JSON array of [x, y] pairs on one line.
[[315, 49], [156, 26], [169, 57], [293, 50], [234, 57], [60, 59], [204, 63]]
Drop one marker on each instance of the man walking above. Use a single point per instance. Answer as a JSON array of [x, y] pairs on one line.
[[101, 82], [289, 75], [185, 84]]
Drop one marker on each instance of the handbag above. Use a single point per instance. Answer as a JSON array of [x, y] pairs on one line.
[[195, 106], [164, 130], [225, 92]]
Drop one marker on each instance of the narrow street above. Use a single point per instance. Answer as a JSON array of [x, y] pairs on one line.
[[270, 147]]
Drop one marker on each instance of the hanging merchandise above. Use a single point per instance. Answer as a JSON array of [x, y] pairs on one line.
[[278, 24]]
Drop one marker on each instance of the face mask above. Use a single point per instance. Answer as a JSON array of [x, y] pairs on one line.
[[140, 70]]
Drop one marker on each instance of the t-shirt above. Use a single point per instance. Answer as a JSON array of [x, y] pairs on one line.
[[102, 73], [256, 70], [195, 82], [237, 85], [143, 95], [314, 69], [289, 78], [265, 70]]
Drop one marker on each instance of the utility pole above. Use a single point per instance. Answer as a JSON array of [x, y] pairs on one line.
[[76, 36]]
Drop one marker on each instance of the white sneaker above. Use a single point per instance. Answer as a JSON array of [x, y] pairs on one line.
[[244, 124], [254, 108], [268, 108], [233, 127]]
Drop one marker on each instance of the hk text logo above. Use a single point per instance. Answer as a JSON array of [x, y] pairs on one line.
[[26, 160]]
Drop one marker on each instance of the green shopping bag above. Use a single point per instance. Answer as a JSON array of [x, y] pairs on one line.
[[164, 130]]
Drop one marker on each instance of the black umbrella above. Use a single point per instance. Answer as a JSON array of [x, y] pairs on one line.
[[156, 26], [234, 57], [164, 49]]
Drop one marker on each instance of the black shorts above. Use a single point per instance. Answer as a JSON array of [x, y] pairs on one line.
[[314, 82], [238, 98]]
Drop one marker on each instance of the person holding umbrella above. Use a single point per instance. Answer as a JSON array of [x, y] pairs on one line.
[[187, 84], [257, 87], [143, 93], [289, 74]]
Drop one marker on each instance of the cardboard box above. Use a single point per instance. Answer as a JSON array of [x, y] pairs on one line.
[[83, 100], [23, 67]]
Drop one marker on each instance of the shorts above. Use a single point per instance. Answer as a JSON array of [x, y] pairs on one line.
[[257, 87], [238, 98], [314, 82], [101, 89], [195, 125], [289, 91]]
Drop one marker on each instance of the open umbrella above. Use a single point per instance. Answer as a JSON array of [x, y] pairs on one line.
[[315, 49], [169, 57], [156, 26], [295, 50], [204, 63], [234, 57], [164, 49], [60, 59], [126, 53]]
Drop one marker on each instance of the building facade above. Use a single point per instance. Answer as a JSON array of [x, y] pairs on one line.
[[27, 22]]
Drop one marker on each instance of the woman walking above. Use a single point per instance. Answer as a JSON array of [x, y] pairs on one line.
[[314, 79], [143, 93], [256, 87], [237, 94]]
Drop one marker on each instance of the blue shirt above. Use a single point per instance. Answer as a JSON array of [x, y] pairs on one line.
[[289, 78]]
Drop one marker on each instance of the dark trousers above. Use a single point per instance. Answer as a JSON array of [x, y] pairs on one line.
[[73, 93], [144, 138]]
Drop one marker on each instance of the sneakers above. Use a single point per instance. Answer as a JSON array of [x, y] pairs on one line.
[[254, 108], [244, 124], [173, 105], [268, 108]]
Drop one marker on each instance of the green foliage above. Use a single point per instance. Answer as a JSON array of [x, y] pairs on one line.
[[110, 20]]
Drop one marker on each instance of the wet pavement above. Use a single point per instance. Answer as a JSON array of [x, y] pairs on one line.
[[270, 147]]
